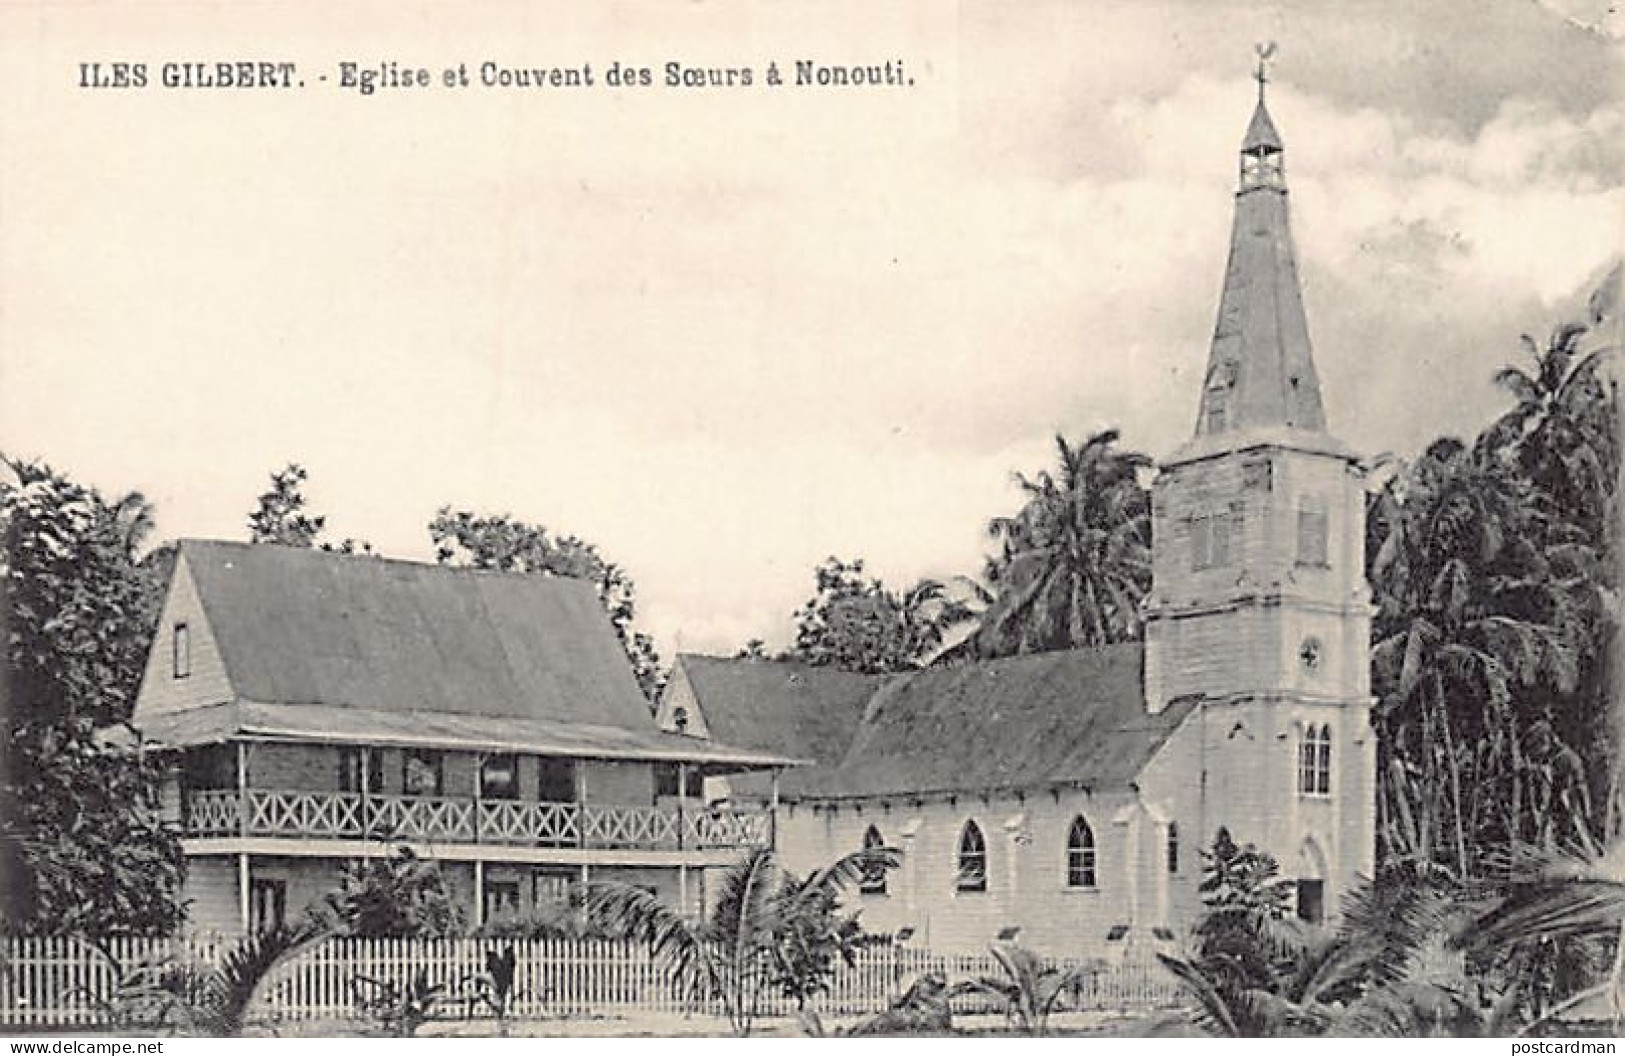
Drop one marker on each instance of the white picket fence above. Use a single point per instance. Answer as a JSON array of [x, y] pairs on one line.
[[60, 982]]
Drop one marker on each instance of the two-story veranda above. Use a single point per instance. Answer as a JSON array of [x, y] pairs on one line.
[[321, 708]]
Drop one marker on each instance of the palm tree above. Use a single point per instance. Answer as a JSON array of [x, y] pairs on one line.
[[1476, 616], [1029, 987], [1561, 427], [756, 935], [1075, 561], [1557, 900], [210, 1001]]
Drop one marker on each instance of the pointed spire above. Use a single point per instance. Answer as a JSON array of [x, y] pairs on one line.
[[1261, 373], [1261, 135]]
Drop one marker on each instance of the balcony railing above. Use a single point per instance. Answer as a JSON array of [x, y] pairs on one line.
[[353, 815]]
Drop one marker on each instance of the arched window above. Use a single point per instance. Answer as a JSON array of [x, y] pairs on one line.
[[972, 859], [1080, 854], [873, 881], [1173, 846], [1315, 761]]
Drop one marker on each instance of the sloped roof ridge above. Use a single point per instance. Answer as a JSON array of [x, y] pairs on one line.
[[575, 582]]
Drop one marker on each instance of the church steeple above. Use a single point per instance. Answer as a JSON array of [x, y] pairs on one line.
[[1260, 373]]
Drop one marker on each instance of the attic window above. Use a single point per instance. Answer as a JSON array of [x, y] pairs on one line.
[[679, 719], [181, 659]]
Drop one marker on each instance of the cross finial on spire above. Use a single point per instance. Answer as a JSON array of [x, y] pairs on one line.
[[1265, 51]]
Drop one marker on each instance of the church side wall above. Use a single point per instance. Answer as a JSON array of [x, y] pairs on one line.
[[1026, 868]]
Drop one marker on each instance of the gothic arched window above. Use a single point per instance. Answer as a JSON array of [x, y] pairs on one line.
[[873, 881], [1080, 854], [1315, 761], [972, 859]]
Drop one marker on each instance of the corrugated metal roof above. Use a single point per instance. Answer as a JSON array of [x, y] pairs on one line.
[[319, 723], [810, 712], [299, 626], [355, 649], [1071, 717], [791, 708]]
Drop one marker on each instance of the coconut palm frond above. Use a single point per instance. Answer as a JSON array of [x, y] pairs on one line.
[[246, 967], [1212, 1012]]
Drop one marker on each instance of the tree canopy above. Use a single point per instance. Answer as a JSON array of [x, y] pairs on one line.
[[855, 622], [86, 849]]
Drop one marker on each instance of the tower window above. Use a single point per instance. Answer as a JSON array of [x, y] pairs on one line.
[[1210, 539], [1315, 762], [1080, 854], [1312, 536], [181, 660], [1173, 846], [873, 881], [972, 875]]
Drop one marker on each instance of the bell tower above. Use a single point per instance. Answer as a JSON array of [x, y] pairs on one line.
[[1259, 609]]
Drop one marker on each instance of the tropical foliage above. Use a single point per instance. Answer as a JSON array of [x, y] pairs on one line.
[[769, 930], [279, 516], [399, 896], [1074, 562], [206, 1000], [1493, 569], [1028, 987], [86, 851], [855, 622]]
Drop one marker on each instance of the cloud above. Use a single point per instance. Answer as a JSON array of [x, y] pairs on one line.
[[725, 338]]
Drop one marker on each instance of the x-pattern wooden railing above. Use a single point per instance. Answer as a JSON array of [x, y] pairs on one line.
[[438, 819]]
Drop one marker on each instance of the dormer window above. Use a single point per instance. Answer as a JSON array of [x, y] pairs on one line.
[[181, 654]]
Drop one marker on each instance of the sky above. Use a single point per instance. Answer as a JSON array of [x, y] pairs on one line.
[[724, 334]]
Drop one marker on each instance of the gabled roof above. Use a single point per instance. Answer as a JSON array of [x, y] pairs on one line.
[[1075, 717], [301, 626], [321, 646], [781, 706], [1071, 717]]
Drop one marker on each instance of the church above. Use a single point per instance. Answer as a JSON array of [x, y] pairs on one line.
[[1061, 800]]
